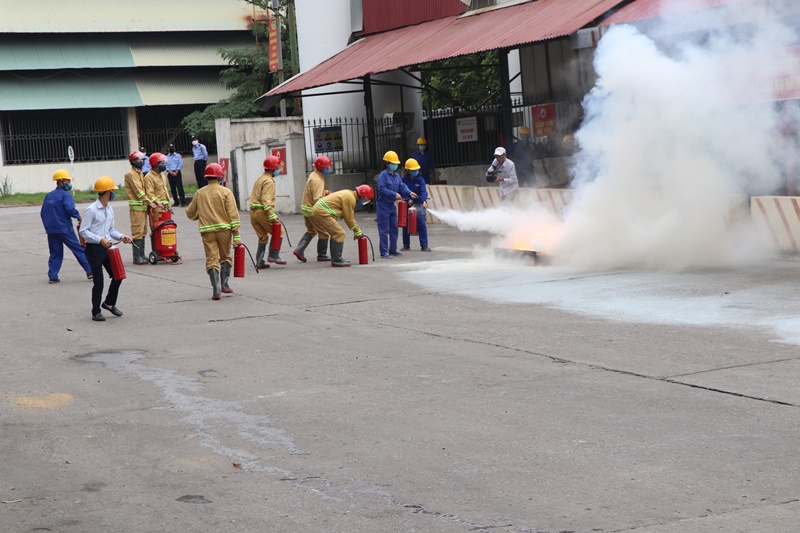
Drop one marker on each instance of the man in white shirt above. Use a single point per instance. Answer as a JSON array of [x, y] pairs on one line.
[[97, 229], [504, 173]]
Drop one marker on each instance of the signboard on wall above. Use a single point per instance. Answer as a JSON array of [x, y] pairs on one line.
[[280, 153], [328, 139], [225, 163], [467, 129], [544, 120]]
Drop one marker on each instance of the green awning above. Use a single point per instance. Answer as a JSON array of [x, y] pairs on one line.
[[67, 91], [25, 52]]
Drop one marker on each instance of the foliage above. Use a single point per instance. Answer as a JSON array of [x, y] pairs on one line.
[[6, 187], [248, 76], [470, 81]]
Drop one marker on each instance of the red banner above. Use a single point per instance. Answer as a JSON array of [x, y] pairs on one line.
[[224, 162], [280, 153], [275, 57], [544, 120]]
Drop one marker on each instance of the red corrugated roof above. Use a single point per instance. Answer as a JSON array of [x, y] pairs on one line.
[[650, 9], [508, 27], [383, 15]]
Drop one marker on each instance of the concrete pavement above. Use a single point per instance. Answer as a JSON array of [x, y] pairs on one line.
[[432, 393]]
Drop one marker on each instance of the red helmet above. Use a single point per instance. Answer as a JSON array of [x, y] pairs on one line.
[[272, 162], [136, 154], [156, 158], [214, 171], [323, 161], [365, 192]]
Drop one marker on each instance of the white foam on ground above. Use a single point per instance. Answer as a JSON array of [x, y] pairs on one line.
[[766, 297]]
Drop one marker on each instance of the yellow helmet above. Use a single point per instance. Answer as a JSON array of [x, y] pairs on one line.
[[61, 174], [104, 184], [412, 164], [391, 157], [422, 140], [524, 130]]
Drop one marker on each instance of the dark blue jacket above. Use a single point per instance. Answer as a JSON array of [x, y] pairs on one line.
[[58, 210], [426, 163], [388, 186], [417, 186]]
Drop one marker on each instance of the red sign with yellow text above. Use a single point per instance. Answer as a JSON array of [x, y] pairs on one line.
[[544, 120], [275, 58]]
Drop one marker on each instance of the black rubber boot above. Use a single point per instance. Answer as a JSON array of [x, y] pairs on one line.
[[213, 274], [225, 276], [139, 257], [260, 264], [336, 253], [275, 257], [299, 252], [322, 250]]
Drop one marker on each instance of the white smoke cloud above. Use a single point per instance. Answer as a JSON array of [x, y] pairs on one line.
[[670, 137]]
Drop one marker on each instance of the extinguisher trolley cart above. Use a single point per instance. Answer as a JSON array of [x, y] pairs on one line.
[[164, 240]]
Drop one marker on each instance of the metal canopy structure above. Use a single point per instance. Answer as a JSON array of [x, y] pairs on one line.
[[503, 28]]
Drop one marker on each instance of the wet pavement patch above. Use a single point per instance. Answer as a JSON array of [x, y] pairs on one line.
[[193, 498], [211, 374]]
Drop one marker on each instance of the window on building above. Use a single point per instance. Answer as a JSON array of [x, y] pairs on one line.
[[31, 137], [479, 4]]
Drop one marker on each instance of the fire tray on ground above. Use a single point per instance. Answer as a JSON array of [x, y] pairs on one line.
[[510, 253]]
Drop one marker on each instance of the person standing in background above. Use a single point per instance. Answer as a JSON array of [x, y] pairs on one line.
[[146, 167], [200, 154], [427, 166], [504, 173], [175, 176]]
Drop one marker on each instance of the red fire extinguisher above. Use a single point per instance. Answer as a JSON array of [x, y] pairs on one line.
[[402, 213], [117, 268], [363, 258], [275, 245], [238, 261], [412, 221]]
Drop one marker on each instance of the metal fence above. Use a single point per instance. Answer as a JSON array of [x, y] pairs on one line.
[[32, 137], [346, 140], [160, 126]]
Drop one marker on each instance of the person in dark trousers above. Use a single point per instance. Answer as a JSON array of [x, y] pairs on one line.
[[57, 213], [416, 184], [390, 190], [175, 176], [522, 153], [200, 154], [97, 229]]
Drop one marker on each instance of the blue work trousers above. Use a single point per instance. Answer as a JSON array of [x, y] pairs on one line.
[[56, 242], [387, 228], [422, 230]]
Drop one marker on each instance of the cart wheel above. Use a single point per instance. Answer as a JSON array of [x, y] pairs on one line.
[[175, 258], [153, 258]]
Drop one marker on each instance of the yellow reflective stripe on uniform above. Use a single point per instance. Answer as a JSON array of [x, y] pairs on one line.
[[215, 227], [140, 194], [135, 202], [306, 209], [328, 209], [257, 206], [235, 224]]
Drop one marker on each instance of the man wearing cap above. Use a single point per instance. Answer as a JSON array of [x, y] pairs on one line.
[[522, 154], [200, 153], [504, 173], [175, 176]]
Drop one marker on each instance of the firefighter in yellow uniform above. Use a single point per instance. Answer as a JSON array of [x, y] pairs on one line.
[[315, 189], [137, 204], [215, 208], [262, 212], [154, 190], [327, 211]]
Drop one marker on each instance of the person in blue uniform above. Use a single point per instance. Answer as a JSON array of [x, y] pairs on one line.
[[427, 166], [416, 184], [57, 213], [390, 190]]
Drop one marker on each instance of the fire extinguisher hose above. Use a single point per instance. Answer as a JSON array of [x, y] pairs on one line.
[[251, 257], [285, 232]]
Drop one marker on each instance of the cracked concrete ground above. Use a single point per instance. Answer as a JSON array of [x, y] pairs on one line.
[[431, 393]]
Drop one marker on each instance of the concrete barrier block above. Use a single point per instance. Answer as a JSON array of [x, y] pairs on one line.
[[779, 217]]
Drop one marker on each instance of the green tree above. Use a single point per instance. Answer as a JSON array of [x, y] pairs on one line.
[[469, 81], [248, 76]]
